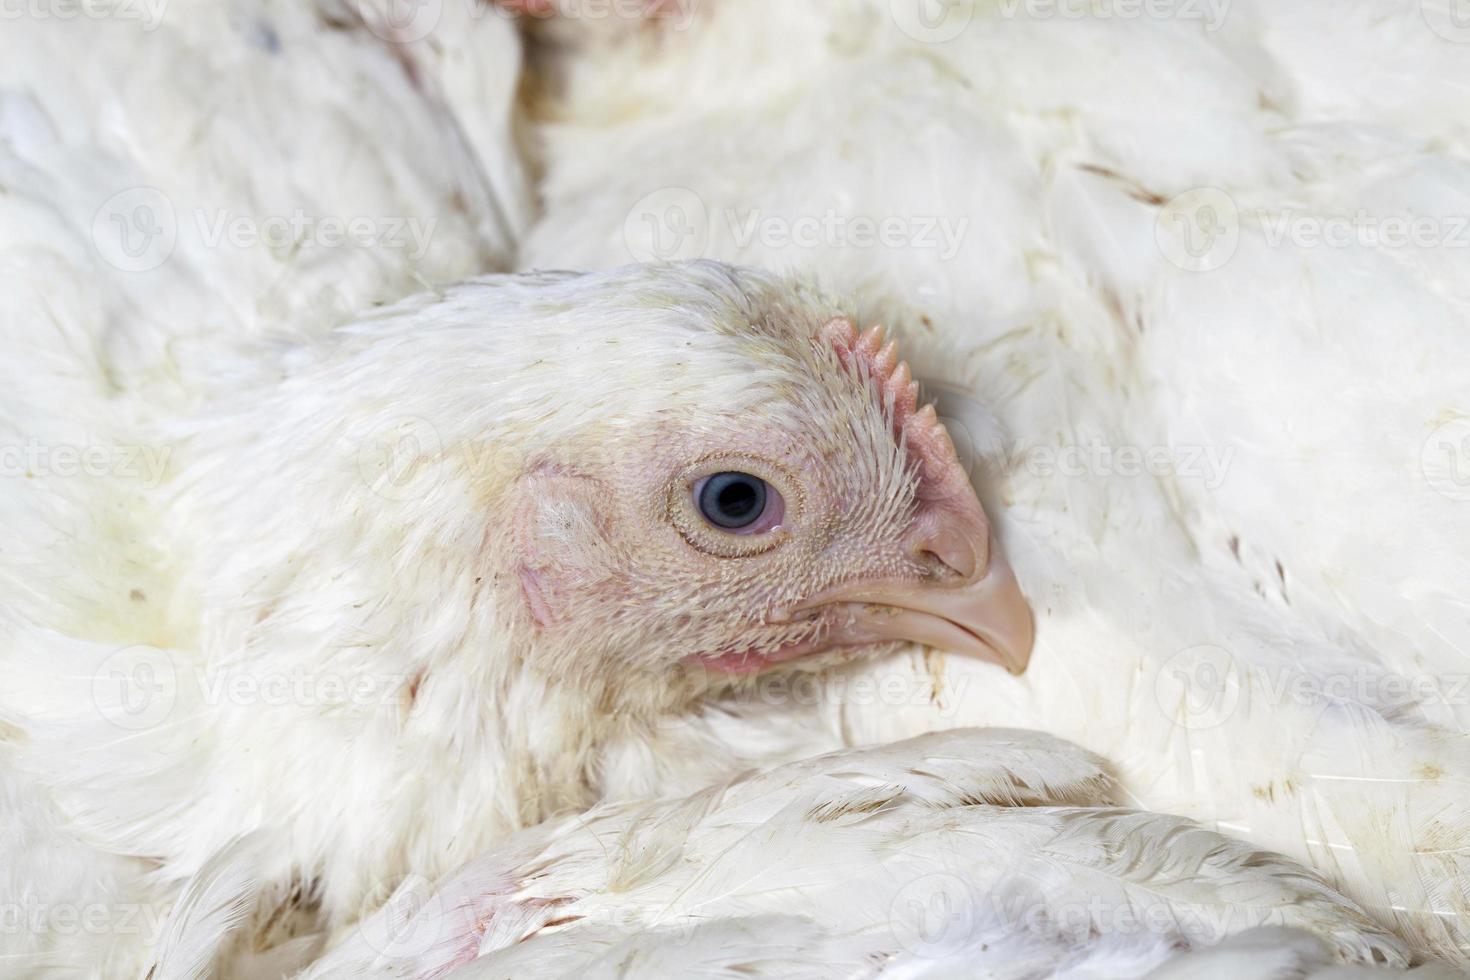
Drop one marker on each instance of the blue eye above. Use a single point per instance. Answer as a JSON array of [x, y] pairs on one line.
[[733, 501]]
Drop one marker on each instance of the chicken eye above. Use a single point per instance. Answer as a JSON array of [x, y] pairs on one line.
[[732, 513], [732, 500], [735, 501]]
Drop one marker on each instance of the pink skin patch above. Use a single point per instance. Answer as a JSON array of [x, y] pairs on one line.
[[534, 592], [477, 905], [742, 663]]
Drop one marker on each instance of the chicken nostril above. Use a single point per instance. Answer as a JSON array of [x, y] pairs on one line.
[[951, 559], [950, 542]]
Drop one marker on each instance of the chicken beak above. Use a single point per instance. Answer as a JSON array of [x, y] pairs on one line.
[[987, 618]]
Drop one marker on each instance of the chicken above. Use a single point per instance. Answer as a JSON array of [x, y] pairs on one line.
[[1266, 632], [166, 187], [448, 551], [194, 617], [968, 853]]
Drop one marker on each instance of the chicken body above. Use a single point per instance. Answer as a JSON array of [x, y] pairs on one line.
[[967, 853], [422, 569]]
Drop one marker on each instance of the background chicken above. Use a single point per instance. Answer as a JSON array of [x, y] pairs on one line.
[[129, 150]]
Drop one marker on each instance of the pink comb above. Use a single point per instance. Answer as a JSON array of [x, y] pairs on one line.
[[929, 445]]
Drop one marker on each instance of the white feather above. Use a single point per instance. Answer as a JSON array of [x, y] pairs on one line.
[[916, 857]]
